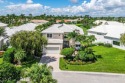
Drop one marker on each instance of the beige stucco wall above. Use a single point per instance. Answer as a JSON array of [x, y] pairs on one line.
[[55, 35]]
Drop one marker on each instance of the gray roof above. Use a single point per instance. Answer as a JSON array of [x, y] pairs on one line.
[[62, 28], [26, 27], [53, 29], [113, 29], [3, 24]]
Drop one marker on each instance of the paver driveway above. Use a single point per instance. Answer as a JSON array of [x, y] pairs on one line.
[[51, 60], [78, 77]]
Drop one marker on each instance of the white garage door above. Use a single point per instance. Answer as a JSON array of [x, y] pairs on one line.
[[52, 50]]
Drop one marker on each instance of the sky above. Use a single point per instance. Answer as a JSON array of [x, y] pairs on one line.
[[63, 7]]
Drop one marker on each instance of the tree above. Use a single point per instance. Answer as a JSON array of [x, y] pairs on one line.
[[39, 74], [122, 38], [72, 37], [9, 73], [2, 31], [8, 56], [31, 42], [19, 55]]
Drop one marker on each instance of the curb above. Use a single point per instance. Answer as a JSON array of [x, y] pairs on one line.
[[92, 73]]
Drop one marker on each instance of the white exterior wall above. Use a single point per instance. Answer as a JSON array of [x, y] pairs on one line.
[[103, 39], [110, 40], [99, 38]]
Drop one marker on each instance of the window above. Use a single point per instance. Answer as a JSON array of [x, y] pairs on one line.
[[99, 34], [49, 35], [116, 43]]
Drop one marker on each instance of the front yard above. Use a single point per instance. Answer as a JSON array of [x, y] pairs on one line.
[[113, 60]]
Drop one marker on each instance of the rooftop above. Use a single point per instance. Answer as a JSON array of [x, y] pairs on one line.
[[27, 27], [62, 28], [3, 24], [112, 29]]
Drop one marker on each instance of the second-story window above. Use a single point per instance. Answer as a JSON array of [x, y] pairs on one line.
[[49, 35]]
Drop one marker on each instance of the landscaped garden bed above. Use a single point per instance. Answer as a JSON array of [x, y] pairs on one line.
[[112, 60]]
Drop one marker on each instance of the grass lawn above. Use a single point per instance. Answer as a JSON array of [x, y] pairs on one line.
[[113, 60], [1, 60]]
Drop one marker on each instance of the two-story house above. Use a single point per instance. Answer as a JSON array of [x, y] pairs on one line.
[[56, 35]]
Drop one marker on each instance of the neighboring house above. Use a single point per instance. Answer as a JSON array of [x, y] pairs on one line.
[[2, 25], [108, 32], [10, 31], [39, 22], [56, 35]]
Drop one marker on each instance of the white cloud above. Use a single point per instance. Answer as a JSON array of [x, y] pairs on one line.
[[94, 8], [29, 1]]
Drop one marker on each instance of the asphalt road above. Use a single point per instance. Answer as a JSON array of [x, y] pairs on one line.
[[72, 77]]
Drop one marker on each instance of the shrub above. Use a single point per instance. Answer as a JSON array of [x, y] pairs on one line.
[[108, 45], [9, 73], [9, 55], [100, 44], [90, 57], [67, 52], [4, 47], [81, 55]]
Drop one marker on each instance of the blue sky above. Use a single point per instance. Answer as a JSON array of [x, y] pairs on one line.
[[64, 7]]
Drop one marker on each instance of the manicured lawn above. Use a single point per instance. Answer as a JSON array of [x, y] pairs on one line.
[[1, 60], [113, 60]]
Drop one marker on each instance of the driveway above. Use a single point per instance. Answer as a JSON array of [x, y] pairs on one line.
[[79, 77], [51, 60]]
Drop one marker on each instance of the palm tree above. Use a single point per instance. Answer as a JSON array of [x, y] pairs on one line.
[[39, 74], [122, 38], [72, 37], [19, 55], [2, 31]]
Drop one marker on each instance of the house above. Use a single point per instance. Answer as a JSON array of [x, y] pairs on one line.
[[10, 31], [26, 27], [108, 32], [2, 25], [56, 35], [38, 22]]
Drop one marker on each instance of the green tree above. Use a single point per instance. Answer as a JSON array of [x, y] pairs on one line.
[[31, 42], [39, 74], [72, 37], [2, 31], [122, 38], [9, 55], [9, 73], [19, 55]]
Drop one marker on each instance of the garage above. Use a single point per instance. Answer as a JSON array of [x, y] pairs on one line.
[[52, 49]]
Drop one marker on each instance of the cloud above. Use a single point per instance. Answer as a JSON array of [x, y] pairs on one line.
[[29, 1], [93, 8], [74, 1]]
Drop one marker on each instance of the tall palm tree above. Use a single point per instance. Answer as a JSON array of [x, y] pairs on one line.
[[72, 37]]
